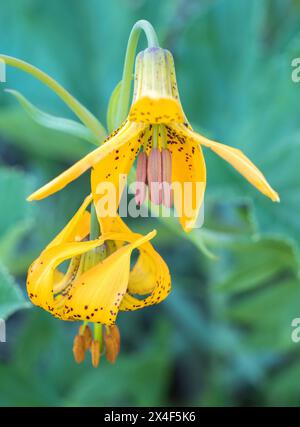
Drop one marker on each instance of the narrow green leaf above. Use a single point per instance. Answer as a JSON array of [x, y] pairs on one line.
[[53, 122], [81, 112], [10, 240], [22, 133], [112, 108], [11, 298]]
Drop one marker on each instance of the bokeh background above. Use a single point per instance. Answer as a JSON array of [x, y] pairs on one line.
[[223, 337]]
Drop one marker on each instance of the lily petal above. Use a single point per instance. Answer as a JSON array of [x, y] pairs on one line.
[[149, 276], [41, 274], [147, 271], [188, 175], [111, 173], [241, 163], [97, 294], [118, 138], [77, 228]]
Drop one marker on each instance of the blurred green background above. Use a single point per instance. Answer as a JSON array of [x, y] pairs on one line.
[[223, 337]]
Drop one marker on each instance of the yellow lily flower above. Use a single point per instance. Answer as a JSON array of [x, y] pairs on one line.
[[99, 292], [98, 282], [172, 150]]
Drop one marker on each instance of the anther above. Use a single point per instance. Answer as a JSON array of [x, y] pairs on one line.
[[154, 176], [112, 343], [86, 332], [141, 179], [79, 348], [167, 192], [95, 353]]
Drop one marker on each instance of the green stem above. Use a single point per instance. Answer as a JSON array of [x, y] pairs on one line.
[[98, 333], [81, 112], [124, 97], [95, 228]]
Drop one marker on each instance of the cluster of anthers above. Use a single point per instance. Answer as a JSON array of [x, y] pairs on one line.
[[108, 341]]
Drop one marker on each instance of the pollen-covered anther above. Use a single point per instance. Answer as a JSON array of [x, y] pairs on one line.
[[95, 353], [115, 332], [79, 348], [167, 191], [141, 179], [86, 332], [112, 343], [154, 176]]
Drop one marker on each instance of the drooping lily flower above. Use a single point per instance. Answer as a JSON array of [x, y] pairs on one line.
[[98, 282], [168, 149]]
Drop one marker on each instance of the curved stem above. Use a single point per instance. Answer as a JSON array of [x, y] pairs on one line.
[[95, 228], [98, 334], [81, 112], [124, 97]]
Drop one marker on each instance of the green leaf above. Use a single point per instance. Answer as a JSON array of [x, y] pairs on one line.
[[16, 216], [39, 142], [112, 107], [267, 315], [10, 240], [15, 186], [257, 262], [84, 115], [53, 122], [11, 298]]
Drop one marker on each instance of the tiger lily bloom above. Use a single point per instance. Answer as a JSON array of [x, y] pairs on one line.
[[98, 282], [168, 149]]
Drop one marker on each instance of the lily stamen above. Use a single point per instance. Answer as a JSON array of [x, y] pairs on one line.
[[155, 169]]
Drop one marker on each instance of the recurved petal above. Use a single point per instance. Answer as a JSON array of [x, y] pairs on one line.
[[97, 294], [118, 138], [150, 276], [77, 228], [42, 273], [188, 175], [241, 163]]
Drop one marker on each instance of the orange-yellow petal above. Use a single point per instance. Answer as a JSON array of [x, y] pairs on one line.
[[42, 273], [151, 277], [188, 175], [77, 228], [109, 176], [97, 294], [241, 163], [117, 139]]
